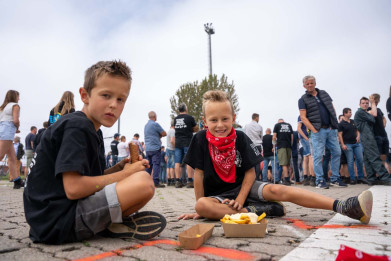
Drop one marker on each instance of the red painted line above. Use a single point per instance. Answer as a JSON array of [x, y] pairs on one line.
[[221, 252], [300, 224], [225, 253]]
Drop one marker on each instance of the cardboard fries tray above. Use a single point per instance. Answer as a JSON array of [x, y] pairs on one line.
[[188, 239], [245, 230]]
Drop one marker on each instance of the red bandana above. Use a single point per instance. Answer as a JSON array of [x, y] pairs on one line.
[[222, 150]]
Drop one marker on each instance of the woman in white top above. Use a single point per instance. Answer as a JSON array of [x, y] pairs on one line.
[[123, 149], [9, 125]]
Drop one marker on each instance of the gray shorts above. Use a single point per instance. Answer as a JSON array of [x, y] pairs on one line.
[[255, 194], [97, 212]]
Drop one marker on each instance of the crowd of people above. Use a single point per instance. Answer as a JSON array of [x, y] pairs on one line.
[[74, 191]]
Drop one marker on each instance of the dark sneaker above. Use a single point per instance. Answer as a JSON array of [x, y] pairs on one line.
[[306, 182], [353, 182], [384, 182], [160, 185], [190, 184], [322, 185], [359, 207], [18, 184], [362, 181], [338, 183], [312, 182], [142, 226], [271, 208], [178, 184], [286, 182]]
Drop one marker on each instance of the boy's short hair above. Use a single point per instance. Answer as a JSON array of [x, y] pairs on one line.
[[364, 98], [216, 96], [32, 128], [136, 135], [112, 68], [346, 110], [254, 116]]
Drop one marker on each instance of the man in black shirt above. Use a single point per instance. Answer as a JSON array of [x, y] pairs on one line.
[[283, 137], [184, 125], [349, 138], [114, 149]]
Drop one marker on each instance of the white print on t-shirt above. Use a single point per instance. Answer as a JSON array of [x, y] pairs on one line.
[[180, 124], [238, 159], [285, 128], [255, 149], [29, 170]]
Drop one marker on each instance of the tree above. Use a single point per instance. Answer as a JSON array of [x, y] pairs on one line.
[[191, 95]]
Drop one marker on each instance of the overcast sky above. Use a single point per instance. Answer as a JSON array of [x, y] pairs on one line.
[[264, 47]]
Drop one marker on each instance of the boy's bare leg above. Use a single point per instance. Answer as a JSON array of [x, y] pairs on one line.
[[135, 191], [190, 172], [298, 196], [178, 171], [211, 208]]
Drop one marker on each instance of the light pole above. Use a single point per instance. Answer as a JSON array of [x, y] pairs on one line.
[[209, 30]]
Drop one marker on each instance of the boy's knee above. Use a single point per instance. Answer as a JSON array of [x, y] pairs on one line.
[[201, 206]]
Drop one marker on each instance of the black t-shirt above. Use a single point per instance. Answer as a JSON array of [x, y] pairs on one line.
[[184, 125], [114, 149], [267, 143], [379, 128], [388, 108], [284, 131], [349, 131], [72, 144], [247, 156]]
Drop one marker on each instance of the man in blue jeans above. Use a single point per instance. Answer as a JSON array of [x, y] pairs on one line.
[[152, 134], [349, 137], [317, 113]]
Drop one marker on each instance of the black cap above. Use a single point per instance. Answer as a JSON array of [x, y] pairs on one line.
[[116, 135]]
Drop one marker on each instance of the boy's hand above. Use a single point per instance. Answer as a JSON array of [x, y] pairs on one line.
[[189, 216], [122, 163], [235, 205], [137, 166]]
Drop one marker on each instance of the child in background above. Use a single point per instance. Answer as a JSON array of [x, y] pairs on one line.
[[224, 182]]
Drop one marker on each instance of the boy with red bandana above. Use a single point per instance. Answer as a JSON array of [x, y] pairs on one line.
[[224, 180]]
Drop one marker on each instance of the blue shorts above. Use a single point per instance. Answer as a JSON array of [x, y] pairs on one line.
[[306, 147], [170, 154], [7, 130], [180, 154]]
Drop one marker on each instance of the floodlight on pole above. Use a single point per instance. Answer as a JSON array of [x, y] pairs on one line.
[[209, 30]]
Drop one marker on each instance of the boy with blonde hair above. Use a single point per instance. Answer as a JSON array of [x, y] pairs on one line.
[[69, 196], [224, 182]]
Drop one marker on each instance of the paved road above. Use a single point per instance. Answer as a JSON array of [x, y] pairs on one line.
[[302, 234]]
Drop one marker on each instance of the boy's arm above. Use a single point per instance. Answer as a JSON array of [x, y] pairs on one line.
[[248, 181], [77, 186]]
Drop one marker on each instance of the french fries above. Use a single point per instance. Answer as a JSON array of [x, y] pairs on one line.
[[243, 218]]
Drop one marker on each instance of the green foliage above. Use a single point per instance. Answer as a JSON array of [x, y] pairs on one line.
[[191, 95]]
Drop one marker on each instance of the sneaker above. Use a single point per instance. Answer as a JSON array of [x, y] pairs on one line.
[[312, 182], [338, 183], [18, 184], [353, 182], [160, 185], [306, 182], [178, 184], [190, 184], [372, 182], [384, 182], [142, 226], [286, 182], [359, 207], [271, 208], [362, 181], [322, 185]]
